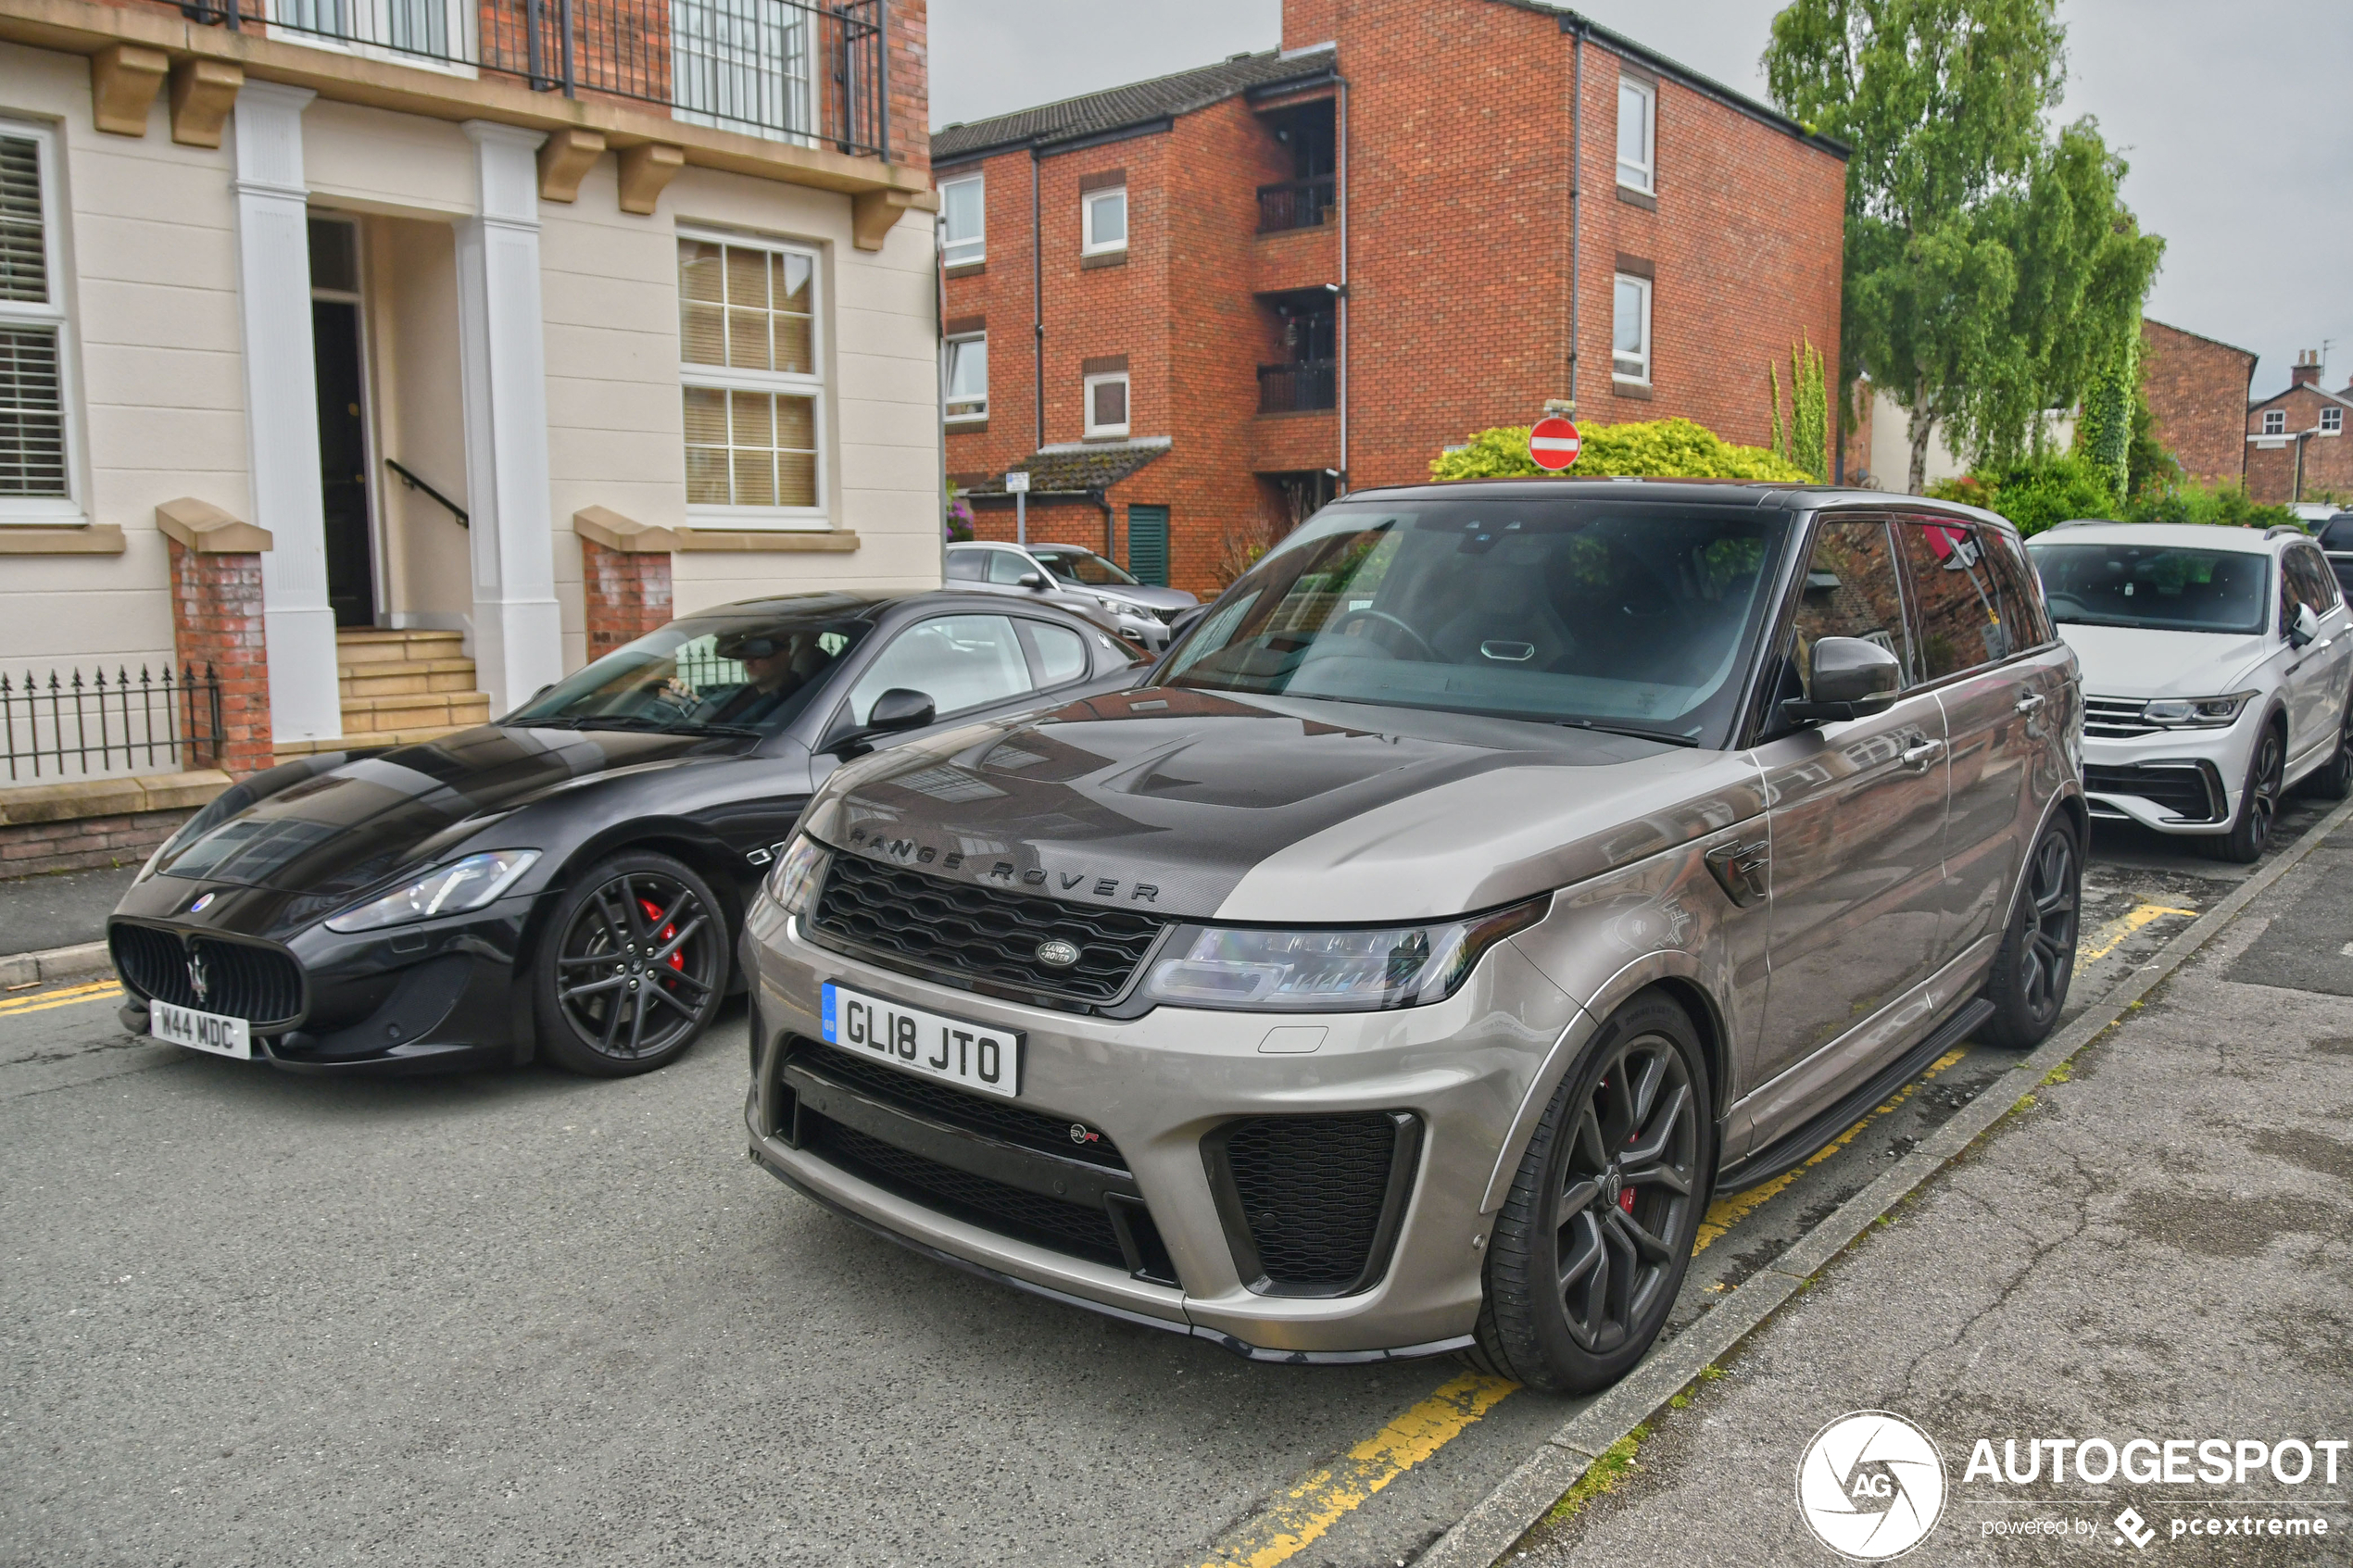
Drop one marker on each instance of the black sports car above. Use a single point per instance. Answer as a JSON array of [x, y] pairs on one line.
[[570, 879]]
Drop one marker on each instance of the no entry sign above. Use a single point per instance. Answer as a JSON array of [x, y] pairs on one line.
[[1554, 444]]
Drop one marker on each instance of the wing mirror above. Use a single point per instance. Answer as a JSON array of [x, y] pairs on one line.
[[2303, 627], [1031, 579], [901, 707], [1846, 678]]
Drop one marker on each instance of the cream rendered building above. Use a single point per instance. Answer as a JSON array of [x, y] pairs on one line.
[[345, 284]]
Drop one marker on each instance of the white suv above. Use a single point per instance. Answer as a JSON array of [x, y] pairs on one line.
[[2215, 669]]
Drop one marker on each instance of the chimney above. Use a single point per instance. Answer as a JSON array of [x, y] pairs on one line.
[[2307, 370]]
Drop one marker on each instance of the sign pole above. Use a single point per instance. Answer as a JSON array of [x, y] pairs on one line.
[[1017, 481]]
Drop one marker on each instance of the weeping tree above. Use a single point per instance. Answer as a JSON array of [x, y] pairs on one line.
[[1991, 266]]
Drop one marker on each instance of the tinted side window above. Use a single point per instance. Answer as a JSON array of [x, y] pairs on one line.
[[1062, 653], [1850, 590], [959, 661], [2018, 594], [2308, 579], [1008, 568], [965, 566], [2338, 532], [1957, 621]]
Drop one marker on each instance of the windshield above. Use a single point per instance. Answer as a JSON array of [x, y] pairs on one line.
[[1628, 615], [2161, 587], [1083, 565], [745, 673]]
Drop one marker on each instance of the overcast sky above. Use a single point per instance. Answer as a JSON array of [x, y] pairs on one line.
[[2237, 120]]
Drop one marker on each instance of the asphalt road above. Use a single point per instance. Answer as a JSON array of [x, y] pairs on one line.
[[525, 1317]]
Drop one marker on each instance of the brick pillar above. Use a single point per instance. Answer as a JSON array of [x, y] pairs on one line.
[[909, 67], [625, 595], [217, 627]]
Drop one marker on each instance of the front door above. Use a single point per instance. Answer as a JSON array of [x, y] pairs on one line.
[[343, 442]]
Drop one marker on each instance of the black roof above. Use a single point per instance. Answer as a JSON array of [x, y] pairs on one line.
[[1124, 108]]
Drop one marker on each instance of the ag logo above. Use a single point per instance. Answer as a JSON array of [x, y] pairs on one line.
[[1870, 1486]]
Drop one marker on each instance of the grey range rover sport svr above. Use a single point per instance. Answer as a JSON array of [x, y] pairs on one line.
[[1493, 873]]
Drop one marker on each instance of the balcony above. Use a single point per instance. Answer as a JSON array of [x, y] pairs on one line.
[[1302, 387], [802, 71], [1295, 204]]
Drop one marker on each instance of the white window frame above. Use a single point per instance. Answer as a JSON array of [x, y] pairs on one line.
[[1649, 353], [1127, 397], [2331, 421], [976, 248], [1643, 176], [1088, 245], [2275, 422], [58, 313], [758, 59], [460, 31], [816, 519], [947, 367]]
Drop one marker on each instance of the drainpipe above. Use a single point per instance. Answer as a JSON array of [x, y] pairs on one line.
[[1102, 497], [1037, 296], [1340, 324], [1576, 197]]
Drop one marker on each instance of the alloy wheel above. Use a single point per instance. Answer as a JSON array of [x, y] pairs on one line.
[[2051, 917], [1629, 1182], [2263, 802], [638, 966]]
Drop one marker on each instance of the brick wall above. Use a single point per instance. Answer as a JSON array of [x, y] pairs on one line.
[[2198, 392], [625, 594], [84, 843], [910, 70], [217, 626], [2303, 463]]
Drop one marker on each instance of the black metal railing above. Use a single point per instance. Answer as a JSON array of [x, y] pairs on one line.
[[77, 724], [1295, 204], [1298, 387], [814, 72]]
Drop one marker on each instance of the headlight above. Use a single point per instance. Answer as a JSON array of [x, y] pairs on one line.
[[1249, 970], [2197, 712], [800, 871], [447, 890]]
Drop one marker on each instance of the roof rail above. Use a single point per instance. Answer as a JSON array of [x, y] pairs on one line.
[[2279, 528], [2078, 523]]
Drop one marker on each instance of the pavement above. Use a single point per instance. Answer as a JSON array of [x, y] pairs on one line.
[[521, 1317], [62, 910]]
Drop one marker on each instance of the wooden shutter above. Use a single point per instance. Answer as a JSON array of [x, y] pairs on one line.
[[1147, 544]]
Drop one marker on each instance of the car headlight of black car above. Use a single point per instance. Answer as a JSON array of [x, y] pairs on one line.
[[452, 889], [1249, 968], [799, 872]]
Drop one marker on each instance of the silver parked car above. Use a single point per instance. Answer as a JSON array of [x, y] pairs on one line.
[[1076, 578], [1494, 871]]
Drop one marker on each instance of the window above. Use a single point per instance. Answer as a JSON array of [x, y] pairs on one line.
[[1851, 592], [35, 342], [2331, 421], [742, 66], [2275, 422], [959, 661], [2021, 604], [967, 389], [1060, 653], [2308, 579], [1006, 569], [966, 566], [1637, 134], [1107, 404], [1106, 220], [1630, 339], [1957, 619], [748, 351], [963, 229]]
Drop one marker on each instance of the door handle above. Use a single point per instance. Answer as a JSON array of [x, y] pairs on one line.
[[1920, 754], [2030, 702]]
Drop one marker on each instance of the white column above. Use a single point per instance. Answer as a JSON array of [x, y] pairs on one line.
[[518, 630], [282, 410]]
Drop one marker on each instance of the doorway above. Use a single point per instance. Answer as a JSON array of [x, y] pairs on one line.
[[341, 370]]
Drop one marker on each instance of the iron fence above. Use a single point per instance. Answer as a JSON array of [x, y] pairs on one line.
[[1295, 204], [803, 70], [77, 724], [1298, 387]]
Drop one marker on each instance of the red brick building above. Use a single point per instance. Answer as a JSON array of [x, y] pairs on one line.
[[2197, 391], [1195, 308], [2297, 448]]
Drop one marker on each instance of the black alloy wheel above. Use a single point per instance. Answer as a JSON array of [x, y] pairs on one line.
[[2332, 780], [1593, 1241], [633, 968], [2259, 803], [2027, 985]]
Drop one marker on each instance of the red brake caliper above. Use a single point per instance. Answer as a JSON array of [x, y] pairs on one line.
[[653, 912]]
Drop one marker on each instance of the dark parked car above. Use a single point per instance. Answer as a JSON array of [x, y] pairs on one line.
[[570, 878]]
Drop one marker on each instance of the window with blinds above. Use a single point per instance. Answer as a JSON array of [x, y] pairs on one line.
[[32, 417], [747, 353]]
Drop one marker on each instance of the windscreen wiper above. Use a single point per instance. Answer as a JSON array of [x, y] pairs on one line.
[[1636, 731], [658, 726]]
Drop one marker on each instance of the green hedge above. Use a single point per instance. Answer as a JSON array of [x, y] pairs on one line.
[[2068, 484], [1651, 449]]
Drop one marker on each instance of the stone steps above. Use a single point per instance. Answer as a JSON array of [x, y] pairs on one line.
[[399, 687]]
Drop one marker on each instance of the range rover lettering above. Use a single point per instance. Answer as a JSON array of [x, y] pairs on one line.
[[1492, 873]]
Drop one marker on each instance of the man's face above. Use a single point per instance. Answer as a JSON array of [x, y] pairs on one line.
[[768, 670]]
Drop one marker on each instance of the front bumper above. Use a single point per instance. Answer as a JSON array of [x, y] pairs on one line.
[[1164, 1089], [2183, 782]]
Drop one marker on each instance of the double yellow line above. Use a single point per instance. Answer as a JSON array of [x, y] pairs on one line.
[[41, 1001]]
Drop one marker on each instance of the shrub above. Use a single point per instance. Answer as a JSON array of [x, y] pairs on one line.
[[2226, 505], [1648, 449], [2038, 493]]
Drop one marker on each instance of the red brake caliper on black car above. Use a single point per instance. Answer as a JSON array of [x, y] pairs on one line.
[[653, 912]]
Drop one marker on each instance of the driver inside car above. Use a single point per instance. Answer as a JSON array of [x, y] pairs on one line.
[[775, 668]]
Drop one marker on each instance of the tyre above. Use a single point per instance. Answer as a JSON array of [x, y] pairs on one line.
[[2332, 780], [2259, 803], [2027, 985], [1593, 1242], [633, 969]]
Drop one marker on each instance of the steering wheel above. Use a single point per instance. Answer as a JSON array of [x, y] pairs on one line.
[[2055, 600], [1429, 654]]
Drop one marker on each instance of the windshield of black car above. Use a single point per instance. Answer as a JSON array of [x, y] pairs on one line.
[[1083, 565], [742, 671], [1629, 613], [2158, 587]]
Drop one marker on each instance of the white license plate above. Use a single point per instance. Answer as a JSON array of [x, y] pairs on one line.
[[200, 1030], [971, 1056]]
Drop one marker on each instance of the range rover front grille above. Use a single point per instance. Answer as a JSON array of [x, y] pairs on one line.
[[1312, 1204], [961, 932], [1019, 1125], [261, 985]]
